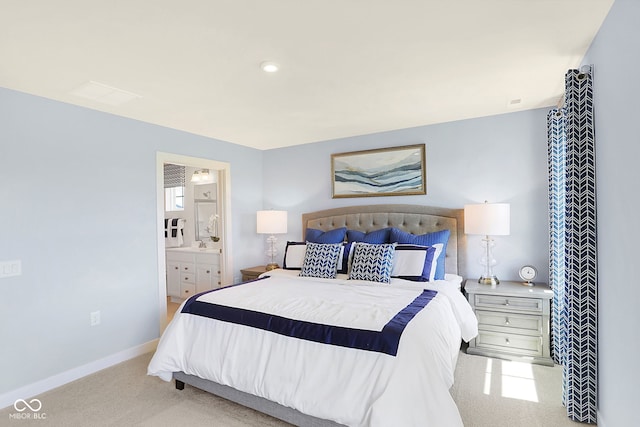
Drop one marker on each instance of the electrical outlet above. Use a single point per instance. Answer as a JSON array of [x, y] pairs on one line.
[[10, 268], [95, 318]]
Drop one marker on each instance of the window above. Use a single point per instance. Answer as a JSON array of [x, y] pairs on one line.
[[174, 199]]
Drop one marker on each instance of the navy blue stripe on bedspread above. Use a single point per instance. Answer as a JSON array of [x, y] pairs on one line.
[[385, 341]]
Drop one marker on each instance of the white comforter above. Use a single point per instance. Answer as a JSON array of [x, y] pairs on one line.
[[349, 386]]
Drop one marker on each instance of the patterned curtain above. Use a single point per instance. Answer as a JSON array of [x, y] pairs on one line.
[[174, 175], [572, 266]]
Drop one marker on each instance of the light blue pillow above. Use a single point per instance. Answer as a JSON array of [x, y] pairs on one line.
[[321, 260], [372, 262], [376, 236], [428, 239], [332, 236]]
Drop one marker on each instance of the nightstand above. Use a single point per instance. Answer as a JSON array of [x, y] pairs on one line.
[[253, 272], [513, 321]]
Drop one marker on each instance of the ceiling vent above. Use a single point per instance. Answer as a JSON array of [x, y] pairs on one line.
[[104, 94]]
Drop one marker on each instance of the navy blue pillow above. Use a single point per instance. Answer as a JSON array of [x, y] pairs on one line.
[[376, 236], [331, 236], [428, 239]]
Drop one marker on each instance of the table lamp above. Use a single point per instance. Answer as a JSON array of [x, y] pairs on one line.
[[487, 219], [271, 222]]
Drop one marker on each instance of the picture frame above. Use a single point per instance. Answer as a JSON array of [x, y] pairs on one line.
[[393, 171]]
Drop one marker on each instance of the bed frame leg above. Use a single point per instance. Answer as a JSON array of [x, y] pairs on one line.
[[179, 385]]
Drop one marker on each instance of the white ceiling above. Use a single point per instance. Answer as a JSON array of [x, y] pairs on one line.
[[348, 67]]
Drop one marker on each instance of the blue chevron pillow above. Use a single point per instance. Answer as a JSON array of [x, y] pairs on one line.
[[372, 262], [321, 260]]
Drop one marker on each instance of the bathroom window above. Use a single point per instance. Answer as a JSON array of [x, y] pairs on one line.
[[174, 199], [174, 183]]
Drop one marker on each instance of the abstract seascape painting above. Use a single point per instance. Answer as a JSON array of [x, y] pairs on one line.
[[395, 171]]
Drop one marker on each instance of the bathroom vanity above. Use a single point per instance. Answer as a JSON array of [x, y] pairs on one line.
[[191, 271]]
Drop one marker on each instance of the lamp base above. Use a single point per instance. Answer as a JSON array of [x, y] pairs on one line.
[[488, 280], [272, 266]]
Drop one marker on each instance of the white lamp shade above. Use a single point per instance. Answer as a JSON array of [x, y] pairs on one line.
[[271, 222], [489, 219]]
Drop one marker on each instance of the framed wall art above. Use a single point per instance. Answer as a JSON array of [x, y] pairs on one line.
[[395, 171]]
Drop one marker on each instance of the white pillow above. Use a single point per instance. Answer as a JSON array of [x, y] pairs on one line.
[[415, 262], [439, 247], [294, 255]]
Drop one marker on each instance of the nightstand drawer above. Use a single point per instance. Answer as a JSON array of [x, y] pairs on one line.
[[509, 322], [511, 343], [533, 305]]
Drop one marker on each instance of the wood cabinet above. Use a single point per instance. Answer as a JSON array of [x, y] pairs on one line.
[[191, 271], [513, 321]]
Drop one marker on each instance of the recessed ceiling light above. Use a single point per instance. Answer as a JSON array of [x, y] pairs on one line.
[[269, 67]]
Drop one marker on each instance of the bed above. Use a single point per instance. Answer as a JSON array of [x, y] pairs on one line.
[[347, 350]]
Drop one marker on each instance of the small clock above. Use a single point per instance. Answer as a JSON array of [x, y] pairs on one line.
[[527, 273]]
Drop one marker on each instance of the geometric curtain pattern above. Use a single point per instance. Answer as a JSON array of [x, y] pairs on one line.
[[557, 144], [573, 262], [174, 175]]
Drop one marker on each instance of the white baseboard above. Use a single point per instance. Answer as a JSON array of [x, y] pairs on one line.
[[8, 399], [600, 420]]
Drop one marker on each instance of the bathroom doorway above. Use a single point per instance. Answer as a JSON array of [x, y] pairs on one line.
[[223, 224]]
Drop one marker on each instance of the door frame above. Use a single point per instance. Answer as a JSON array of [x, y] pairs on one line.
[[224, 188]]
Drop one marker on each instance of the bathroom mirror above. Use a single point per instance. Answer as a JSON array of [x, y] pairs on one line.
[[204, 209]]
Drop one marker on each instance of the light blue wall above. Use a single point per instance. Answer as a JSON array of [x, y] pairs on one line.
[[78, 208], [616, 59], [90, 244], [500, 159]]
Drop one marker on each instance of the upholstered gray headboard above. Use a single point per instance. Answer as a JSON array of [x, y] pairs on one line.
[[414, 219]]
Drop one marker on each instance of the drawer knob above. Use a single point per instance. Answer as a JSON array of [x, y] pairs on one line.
[[506, 302], [176, 268], [186, 268], [506, 322], [186, 291], [208, 271], [507, 341], [186, 278]]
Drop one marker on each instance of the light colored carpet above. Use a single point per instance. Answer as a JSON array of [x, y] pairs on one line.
[[489, 392], [494, 393]]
